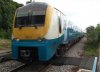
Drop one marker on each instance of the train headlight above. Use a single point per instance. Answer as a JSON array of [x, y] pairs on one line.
[[12, 37], [41, 39], [17, 39]]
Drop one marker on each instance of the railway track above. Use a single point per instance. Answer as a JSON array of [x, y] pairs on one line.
[[18, 68], [34, 67], [10, 66], [43, 69], [4, 56]]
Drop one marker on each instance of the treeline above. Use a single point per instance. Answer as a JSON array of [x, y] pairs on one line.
[[7, 11], [93, 40], [93, 35]]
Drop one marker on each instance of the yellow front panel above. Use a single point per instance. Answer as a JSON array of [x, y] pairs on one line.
[[28, 33], [32, 32]]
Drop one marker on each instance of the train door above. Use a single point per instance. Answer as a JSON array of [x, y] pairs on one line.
[[65, 31]]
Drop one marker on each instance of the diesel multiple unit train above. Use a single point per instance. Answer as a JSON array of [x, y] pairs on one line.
[[39, 31]]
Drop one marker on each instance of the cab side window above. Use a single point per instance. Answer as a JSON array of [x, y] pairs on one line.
[[59, 20]]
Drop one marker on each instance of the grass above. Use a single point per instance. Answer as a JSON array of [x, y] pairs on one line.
[[5, 44], [91, 50]]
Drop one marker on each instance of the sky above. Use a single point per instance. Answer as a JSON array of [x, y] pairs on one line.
[[82, 13]]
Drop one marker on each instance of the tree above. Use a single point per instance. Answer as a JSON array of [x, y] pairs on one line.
[[98, 32], [7, 11], [91, 35]]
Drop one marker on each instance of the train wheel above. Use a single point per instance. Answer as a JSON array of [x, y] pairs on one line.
[[61, 51]]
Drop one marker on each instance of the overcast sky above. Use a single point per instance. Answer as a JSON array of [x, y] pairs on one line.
[[82, 13]]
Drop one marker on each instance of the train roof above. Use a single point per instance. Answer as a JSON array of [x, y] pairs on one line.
[[60, 11], [33, 6]]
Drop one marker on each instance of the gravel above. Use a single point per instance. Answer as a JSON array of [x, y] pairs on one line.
[[9, 65], [74, 51], [63, 68]]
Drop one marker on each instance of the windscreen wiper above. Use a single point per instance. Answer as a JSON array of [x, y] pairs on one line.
[[30, 19], [20, 26]]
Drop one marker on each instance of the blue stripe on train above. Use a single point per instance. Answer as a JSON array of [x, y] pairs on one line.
[[46, 48]]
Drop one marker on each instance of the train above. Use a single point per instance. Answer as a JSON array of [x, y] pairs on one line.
[[74, 33], [40, 31]]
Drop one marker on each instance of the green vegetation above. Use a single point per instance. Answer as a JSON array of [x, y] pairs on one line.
[[7, 11], [93, 39], [90, 50]]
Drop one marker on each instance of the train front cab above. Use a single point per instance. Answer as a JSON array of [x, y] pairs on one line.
[[28, 32], [28, 40]]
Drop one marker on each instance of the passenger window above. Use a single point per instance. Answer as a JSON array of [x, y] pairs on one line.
[[59, 25]]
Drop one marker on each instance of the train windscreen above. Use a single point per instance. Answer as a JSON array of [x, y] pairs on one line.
[[31, 15], [25, 21]]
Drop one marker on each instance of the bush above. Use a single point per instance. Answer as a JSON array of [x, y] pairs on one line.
[[93, 40], [7, 11], [90, 50], [5, 34]]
